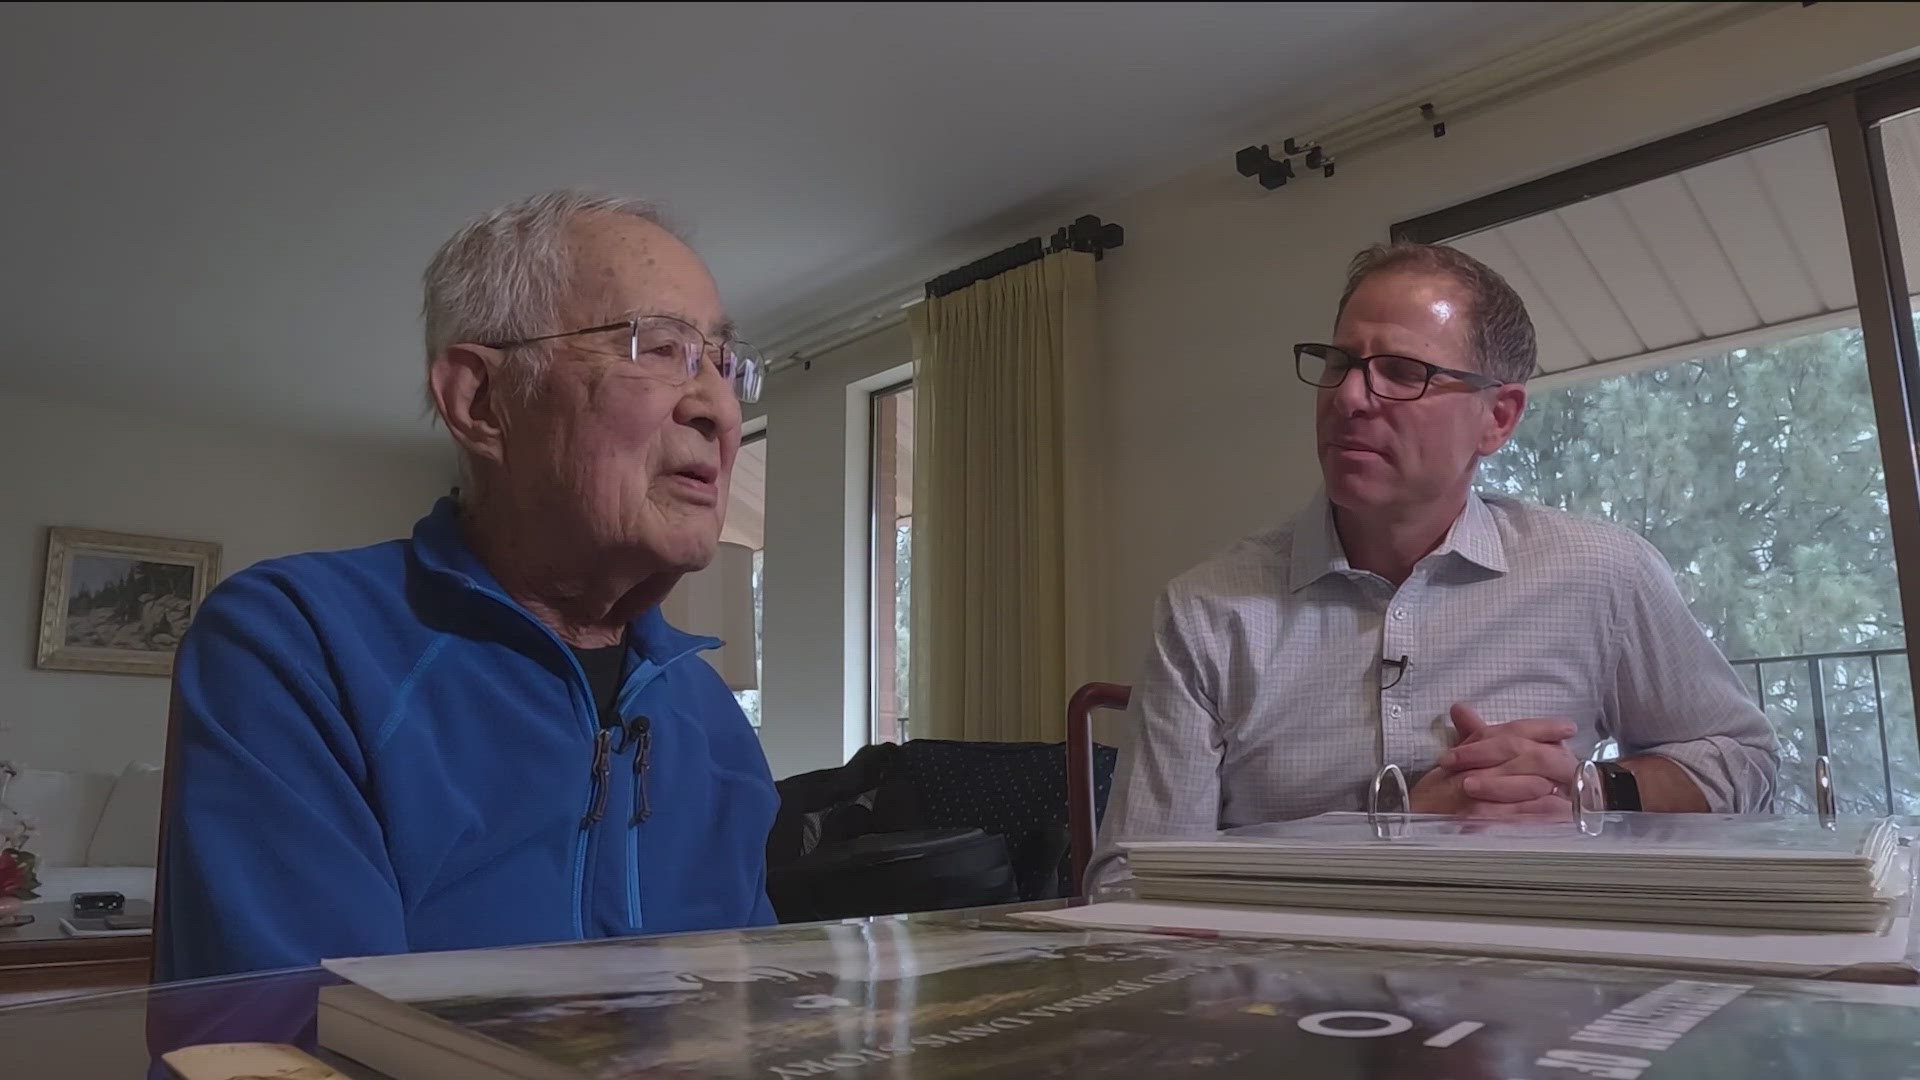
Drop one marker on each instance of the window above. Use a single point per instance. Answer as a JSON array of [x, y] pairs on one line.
[[1756, 471], [1718, 376], [746, 526], [1896, 146], [891, 558]]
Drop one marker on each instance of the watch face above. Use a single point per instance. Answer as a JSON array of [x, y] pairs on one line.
[[1622, 790]]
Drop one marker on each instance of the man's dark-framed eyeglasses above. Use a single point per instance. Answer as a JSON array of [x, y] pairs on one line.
[[670, 350], [1395, 378]]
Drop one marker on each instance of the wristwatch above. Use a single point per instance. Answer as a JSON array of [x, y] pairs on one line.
[[1617, 785]]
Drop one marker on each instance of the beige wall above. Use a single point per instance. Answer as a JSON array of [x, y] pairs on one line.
[[1211, 437], [257, 494], [813, 696], [1208, 437]]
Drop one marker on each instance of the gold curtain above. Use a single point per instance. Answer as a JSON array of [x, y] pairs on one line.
[[1006, 617]]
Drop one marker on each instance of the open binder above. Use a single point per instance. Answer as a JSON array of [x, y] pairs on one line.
[[1588, 811], [1759, 893]]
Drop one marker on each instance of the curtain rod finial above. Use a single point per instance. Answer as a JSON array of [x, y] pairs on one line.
[[1089, 233]]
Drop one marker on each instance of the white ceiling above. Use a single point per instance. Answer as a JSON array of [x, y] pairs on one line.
[[1744, 248], [223, 210]]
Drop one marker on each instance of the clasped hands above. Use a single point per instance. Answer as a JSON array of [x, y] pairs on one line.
[[1519, 768]]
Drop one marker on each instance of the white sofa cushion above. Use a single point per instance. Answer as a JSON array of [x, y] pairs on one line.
[[64, 808], [129, 830]]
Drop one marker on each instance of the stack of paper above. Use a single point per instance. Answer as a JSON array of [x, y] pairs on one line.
[[1723, 870]]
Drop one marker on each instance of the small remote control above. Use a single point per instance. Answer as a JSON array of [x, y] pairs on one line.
[[98, 903]]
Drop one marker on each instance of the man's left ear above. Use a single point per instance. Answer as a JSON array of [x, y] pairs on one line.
[[1509, 401]]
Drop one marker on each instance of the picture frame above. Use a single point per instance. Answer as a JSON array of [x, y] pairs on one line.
[[120, 602]]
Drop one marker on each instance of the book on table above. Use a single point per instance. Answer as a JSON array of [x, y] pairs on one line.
[[1757, 894], [1757, 871], [1009, 998]]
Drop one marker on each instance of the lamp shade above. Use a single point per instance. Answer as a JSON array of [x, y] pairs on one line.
[[718, 602]]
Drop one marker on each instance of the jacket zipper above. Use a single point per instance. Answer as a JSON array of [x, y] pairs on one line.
[[602, 765], [595, 795], [597, 801], [642, 760]]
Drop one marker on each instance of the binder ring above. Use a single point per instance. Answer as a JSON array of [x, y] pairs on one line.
[[1823, 800], [1586, 780], [1381, 827]]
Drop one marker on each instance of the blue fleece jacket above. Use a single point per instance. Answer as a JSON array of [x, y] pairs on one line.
[[378, 751]]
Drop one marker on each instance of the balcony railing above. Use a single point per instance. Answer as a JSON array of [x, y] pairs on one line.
[[1855, 709]]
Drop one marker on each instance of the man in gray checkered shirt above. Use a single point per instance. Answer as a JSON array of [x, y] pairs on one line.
[[1483, 644]]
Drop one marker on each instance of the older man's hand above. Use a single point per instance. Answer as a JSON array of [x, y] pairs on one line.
[[1519, 768]]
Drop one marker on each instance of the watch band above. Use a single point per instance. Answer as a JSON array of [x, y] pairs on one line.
[[1618, 785]]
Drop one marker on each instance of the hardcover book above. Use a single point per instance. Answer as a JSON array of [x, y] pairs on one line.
[[927, 998]]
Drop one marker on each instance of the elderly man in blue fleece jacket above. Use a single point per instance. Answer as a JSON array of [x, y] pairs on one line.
[[487, 734]]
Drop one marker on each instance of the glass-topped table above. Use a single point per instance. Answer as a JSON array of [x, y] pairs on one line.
[[108, 1035], [119, 1034], [1219, 1004]]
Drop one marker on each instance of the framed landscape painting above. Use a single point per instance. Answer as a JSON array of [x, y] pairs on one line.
[[119, 602]]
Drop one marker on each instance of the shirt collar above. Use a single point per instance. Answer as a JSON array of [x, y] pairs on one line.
[[1316, 546], [441, 547], [1474, 537]]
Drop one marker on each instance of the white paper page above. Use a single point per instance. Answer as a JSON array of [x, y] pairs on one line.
[[1747, 951], [1634, 836]]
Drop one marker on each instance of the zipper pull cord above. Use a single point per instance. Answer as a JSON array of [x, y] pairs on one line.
[[642, 729], [602, 763]]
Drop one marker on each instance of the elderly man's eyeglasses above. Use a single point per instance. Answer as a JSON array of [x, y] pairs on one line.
[[670, 350], [1395, 378]]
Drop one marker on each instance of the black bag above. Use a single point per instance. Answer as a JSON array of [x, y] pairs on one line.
[[1016, 790], [884, 873], [830, 805], [1013, 792]]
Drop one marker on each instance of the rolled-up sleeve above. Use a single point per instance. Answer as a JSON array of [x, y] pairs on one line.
[[1170, 770], [1675, 695]]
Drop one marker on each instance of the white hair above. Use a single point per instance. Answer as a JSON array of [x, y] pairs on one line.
[[503, 276]]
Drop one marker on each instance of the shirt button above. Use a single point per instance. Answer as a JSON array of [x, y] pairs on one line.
[[1394, 712], [1399, 613]]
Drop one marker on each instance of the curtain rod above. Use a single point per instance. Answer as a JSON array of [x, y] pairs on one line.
[[1087, 233]]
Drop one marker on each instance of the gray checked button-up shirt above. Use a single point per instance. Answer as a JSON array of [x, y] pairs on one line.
[[1263, 700]]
